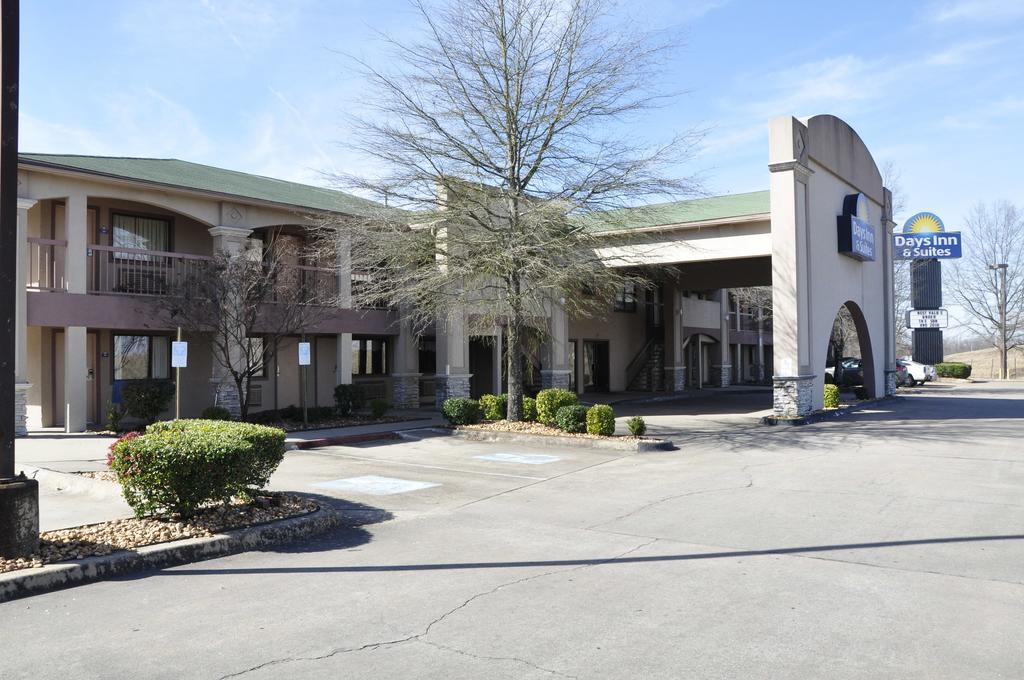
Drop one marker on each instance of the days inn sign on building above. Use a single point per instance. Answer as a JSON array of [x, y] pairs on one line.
[[925, 237], [856, 234]]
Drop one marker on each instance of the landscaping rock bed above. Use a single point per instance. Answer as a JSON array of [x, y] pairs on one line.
[[503, 430], [125, 534]]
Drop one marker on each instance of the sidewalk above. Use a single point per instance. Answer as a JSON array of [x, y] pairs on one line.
[[341, 435]]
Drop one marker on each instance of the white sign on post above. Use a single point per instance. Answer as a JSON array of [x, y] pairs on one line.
[[179, 354], [927, 318], [304, 354]]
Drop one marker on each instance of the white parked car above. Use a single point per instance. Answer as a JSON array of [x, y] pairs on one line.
[[919, 373]]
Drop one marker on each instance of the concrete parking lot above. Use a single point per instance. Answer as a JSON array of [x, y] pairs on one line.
[[885, 544]]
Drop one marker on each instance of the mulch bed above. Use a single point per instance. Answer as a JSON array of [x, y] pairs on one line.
[[124, 534], [540, 428]]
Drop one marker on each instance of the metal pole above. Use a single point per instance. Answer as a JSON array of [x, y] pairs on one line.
[[8, 226], [177, 386], [1002, 320], [302, 388]]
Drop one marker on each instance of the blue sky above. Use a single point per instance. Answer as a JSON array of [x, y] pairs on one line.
[[261, 85]]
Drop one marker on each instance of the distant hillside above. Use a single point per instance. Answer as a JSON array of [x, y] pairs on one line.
[[985, 362]]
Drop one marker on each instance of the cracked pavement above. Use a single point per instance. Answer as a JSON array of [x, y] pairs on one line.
[[885, 544]]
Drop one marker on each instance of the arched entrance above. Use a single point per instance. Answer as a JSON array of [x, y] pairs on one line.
[[848, 356]]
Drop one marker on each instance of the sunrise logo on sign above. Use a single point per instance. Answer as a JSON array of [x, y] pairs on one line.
[[925, 237]]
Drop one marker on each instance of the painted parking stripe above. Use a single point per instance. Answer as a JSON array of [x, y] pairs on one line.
[[375, 485], [522, 458]]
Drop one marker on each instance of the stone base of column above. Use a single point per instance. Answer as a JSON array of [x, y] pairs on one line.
[[553, 378], [675, 379], [405, 390], [225, 395], [890, 383], [721, 376], [21, 409], [19, 517], [451, 387], [792, 397]]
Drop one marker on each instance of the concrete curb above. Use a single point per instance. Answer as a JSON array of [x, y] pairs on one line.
[[627, 445], [705, 393], [72, 483], [26, 582], [819, 416], [342, 440]]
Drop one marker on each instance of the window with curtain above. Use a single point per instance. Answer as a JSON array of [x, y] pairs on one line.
[[625, 300], [140, 233], [369, 356], [141, 357]]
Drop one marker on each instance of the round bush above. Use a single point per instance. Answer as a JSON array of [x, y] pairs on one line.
[[216, 413], [953, 369], [147, 399], [601, 420], [572, 418], [831, 396], [494, 406], [349, 398], [181, 465], [551, 400], [529, 409], [461, 411], [378, 407], [637, 427]]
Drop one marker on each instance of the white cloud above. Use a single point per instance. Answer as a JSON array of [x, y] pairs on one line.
[[977, 10], [36, 135], [963, 53]]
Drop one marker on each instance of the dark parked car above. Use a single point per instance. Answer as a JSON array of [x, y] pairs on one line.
[[849, 372]]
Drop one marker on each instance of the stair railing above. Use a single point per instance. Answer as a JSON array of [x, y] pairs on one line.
[[634, 367]]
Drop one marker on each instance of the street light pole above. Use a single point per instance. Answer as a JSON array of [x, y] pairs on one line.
[[1004, 373]]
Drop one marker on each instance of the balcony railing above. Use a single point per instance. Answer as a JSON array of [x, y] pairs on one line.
[[46, 264], [131, 271]]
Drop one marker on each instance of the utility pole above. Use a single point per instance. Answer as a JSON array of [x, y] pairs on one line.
[[19, 496], [1003, 367]]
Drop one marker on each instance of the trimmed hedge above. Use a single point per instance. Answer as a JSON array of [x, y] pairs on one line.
[[179, 466], [349, 398], [461, 411], [572, 418], [831, 396], [601, 420], [529, 409], [637, 426], [550, 401], [953, 369], [494, 406]]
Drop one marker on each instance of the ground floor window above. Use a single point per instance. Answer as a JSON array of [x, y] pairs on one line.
[[142, 357], [369, 356]]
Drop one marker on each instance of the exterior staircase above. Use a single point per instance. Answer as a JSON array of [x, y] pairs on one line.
[[650, 376]]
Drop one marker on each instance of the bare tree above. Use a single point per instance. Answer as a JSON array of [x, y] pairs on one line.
[[891, 179], [247, 303], [996, 236], [498, 131]]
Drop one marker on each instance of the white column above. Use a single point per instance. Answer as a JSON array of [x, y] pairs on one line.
[[555, 369], [21, 383], [453, 374], [890, 296], [405, 373], [722, 368], [343, 362], [794, 378], [76, 227], [499, 369], [76, 394], [675, 359]]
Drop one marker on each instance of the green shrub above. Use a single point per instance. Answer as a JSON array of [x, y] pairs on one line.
[[216, 413], [349, 398], [601, 420], [461, 411], [637, 427], [114, 416], [494, 406], [551, 400], [953, 369], [181, 465], [147, 399], [529, 409], [378, 407], [572, 418], [831, 396]]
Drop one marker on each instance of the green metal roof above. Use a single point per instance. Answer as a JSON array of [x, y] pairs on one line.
[[681, 212], [175, 173]]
